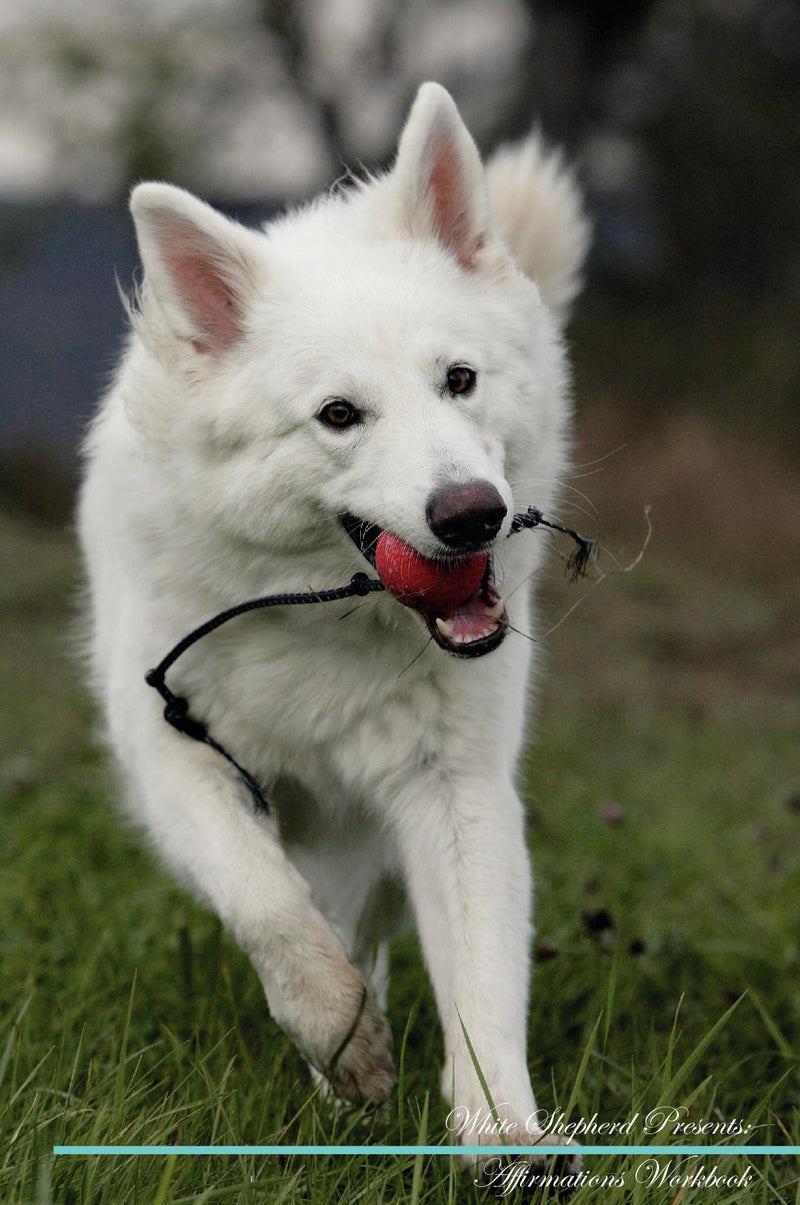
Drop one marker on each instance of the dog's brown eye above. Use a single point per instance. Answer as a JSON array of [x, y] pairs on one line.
[[338, 413], [461, 379]]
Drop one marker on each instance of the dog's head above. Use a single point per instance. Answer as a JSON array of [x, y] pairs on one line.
[[375, 362]]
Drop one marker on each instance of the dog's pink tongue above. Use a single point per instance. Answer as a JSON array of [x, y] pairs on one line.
[[426, 585]]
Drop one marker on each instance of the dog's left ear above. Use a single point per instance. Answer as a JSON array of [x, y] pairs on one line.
[[438, 177]]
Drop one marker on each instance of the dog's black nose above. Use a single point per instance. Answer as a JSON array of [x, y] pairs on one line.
[[466, 516]]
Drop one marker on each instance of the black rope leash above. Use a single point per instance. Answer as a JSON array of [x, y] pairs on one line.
[[176, 707], [176, 710]]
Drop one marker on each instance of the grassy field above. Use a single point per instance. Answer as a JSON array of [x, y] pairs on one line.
[[664, 792]]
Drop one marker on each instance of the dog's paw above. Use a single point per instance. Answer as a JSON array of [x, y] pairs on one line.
[[363, 1071], [320, 1000]]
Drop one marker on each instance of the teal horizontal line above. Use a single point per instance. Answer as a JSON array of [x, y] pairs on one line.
[[703, 1151]]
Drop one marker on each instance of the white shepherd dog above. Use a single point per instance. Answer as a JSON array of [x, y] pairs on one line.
[[388, 358]]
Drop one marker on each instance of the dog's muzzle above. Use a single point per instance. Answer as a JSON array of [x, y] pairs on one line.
[[475, 626]]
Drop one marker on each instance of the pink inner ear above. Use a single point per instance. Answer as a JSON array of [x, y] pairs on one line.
[[451, 208], [205, 290]]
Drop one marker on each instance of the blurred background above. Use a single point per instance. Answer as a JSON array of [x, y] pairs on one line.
[[683, 118]]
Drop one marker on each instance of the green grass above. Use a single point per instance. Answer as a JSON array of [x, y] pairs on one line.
[[665, 832]]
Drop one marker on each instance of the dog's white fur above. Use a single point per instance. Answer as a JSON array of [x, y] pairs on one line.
[[210, 480]]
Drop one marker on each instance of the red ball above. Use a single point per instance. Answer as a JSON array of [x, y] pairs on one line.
[[424, 584]]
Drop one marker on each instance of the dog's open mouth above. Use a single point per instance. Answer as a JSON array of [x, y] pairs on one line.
[[456, 596]]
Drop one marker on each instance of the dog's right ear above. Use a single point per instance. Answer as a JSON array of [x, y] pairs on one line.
[[199, 266], [438, 180]]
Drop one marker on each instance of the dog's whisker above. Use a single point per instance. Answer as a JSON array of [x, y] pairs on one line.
[[598, 460], [575, 507], [577, 469], [326, 606], [520, 632], [565, 485], [416, 659], [352, 611], [550, 537]]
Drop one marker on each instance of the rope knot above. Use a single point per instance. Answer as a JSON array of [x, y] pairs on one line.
[[529, 518], [176, 713], [361, 584]]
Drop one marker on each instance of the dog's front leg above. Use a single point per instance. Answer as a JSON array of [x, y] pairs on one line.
[[202, 820], [463, 847]]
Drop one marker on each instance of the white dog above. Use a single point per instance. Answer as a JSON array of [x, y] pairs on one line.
[[389, 356]]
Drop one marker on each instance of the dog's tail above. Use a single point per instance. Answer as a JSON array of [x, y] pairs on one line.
[[537, 208]]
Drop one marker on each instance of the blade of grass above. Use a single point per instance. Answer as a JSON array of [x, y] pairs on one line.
[[672, 1041], [419, 1160], [610, 994], [119, 1086], [478, 1070], [587, 1054], [771, 1026], [401, 1067], [670, 1092], [164, 1182]]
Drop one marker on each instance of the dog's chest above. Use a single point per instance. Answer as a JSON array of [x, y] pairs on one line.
[[318, 707]]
